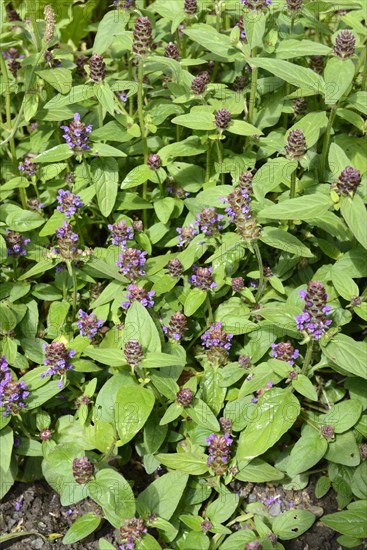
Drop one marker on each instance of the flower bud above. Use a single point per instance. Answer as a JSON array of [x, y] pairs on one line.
[[97, 68], [300, 106], [191, 7], [175, 267], [317, 63], [184, 397], [222, 119], [327, 432], [142, 36], [200, 83], [238, 284], [154, 162], [294, 5], [171, 51], [133, 353], [348, 181], [206, 525], [296, 146], [345, 45], [50, 23], [83, 470]]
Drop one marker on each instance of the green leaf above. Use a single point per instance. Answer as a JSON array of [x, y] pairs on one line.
[[40, 267], [112, 24], [292, 48], [59, 78], [164, 208], [82, 527], [157, 360], [242, 128], [355, 214], [105, 175], [223, 507], [172, 412], [301, 208], [196, 120], [304, 386], [348, 522], [344, 450], [292, 524], [276, 412], [43, 394], [77, 94], [189, 463], [210, 39], [311, 125], [195, 298], [106, 356], [60, 152], [52, 224], [254, 24], [56, 318], [113, 493], [24, 220], [338, 76], [137, 176], [57, 469], [342, 416], [258, 471], [347, 353], [202, 415], [140, 324], [188, 147], [278, 238], [271, 174], [322, 486], [105, 150], [163, 495], [303, 78], [133, 407], [6, 442], [307, 452]]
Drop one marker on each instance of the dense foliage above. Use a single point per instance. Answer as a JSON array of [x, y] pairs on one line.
[[183, 243]]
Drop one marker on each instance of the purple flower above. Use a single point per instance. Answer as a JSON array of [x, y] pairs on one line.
[[219, 452], [240, 25], [132, 531], [16, 243], [218, 343], [67, 241], [202, 277], [136, 293], [57, 359], [27, 166], [121, 232], [257, 5], [208, 221], [313, 320], [186, 234], [68, 203], [88, 324], [177, 327], [12, 393], [284, 351], [76, 135], [19, 503], [132, 262]]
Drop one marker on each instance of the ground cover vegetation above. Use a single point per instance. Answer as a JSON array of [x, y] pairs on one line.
[[183, 239]]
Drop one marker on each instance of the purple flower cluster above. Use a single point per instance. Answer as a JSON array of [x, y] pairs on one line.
[[12, 394], [257, 5], [186, 234], [68, 203], [132, 531], [284, 351], [136, 293], [76, 134], [218, 343], [313, 320], [202, 278], [88, 324], [239, 211], [15, 243], [177, 327], [124, 4], [177, 191], [121, 232], [241, 26], [208, 222], [27, 166], [67, 241], [83, 470], [219, 452], [57, 359], [132, 262]]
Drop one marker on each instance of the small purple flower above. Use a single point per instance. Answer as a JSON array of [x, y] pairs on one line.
[[284, 351], [177, 327], [257, 5], [68, 203], [16, 243], [19, 503], [12, 394], [121, 232], [76, 135], [57, 359], [186, 234], [132, 262], [27, 166], [202, 278], [136, 293], [124, 4], [208, 222], [240, 25], [88, 324], [219, 452], [122, 96], [67, 241], [132, 531], [313, 321], [217, 343]]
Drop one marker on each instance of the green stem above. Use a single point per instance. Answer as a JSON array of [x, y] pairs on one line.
[[260, 289], [31, 7], [160, 184], [131, 98], [253, 90], [364, 75], [292, 25], [75, 284], [142, 130], [292, 193], [210, 310], [220, 160], [87, 169], [208, 161], [325, 145], [308, 357]]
